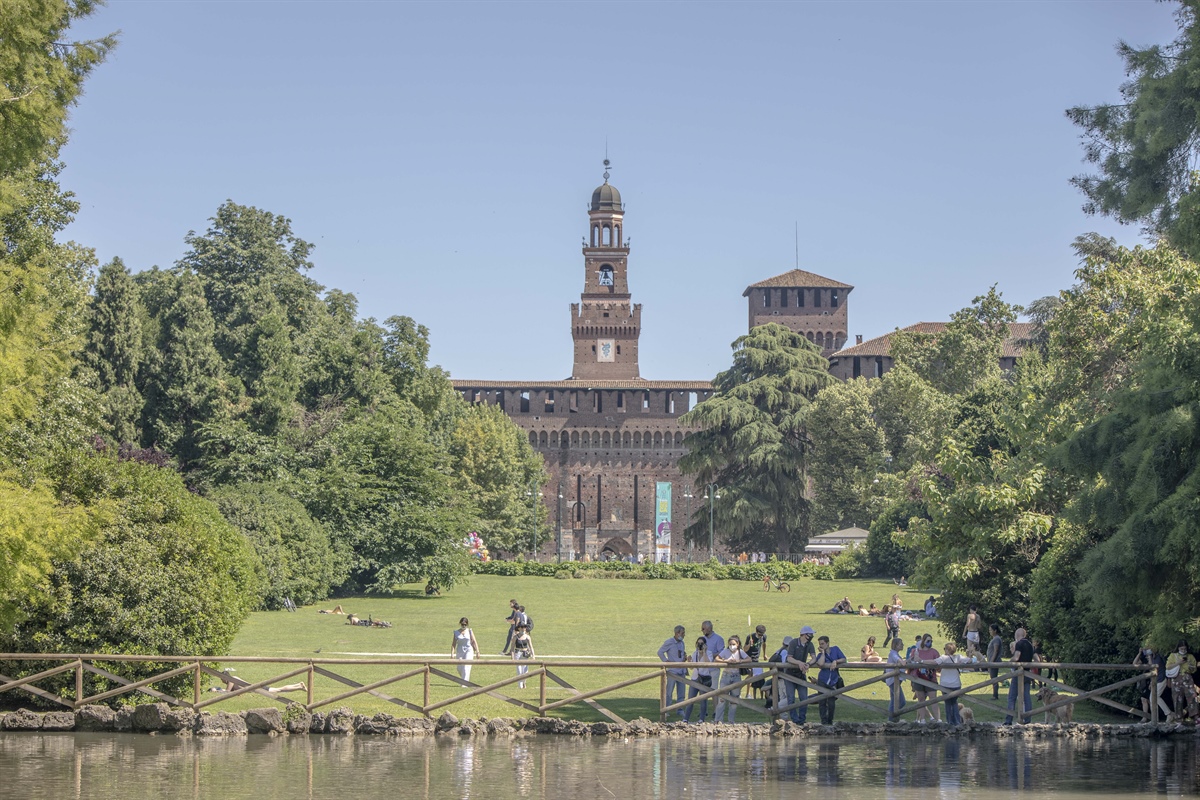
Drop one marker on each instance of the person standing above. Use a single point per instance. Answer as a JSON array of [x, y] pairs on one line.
[[1147, 657], [972, 629], [511, 619], [674, 651], [755, 643], [702, 676], [731, 654], [522, 650], [951, 681], [829, 658], [895, 683], [993, 655], [924, 650], [799, 657], [714, 643], [1181, 666], [464, 647], [891, 622], [1018, 683]]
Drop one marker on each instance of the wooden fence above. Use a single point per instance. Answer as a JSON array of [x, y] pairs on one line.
[[422, 671]]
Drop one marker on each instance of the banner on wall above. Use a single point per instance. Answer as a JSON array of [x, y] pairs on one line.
[[662, 522]]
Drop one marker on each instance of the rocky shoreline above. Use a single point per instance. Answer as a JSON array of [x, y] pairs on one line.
[[162, 719]]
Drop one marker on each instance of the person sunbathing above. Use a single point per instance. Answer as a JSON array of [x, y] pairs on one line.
[[335, 610]]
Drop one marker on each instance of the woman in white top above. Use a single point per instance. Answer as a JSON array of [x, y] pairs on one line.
[[732, 654], [951, 681], [464, 647], [895, 661]]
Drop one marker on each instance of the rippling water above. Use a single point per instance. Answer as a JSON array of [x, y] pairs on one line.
[[79, 765]]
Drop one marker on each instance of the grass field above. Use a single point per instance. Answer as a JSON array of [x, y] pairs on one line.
[[579, 618]]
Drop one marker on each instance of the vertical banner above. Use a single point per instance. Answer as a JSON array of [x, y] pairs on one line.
[[662, 522]]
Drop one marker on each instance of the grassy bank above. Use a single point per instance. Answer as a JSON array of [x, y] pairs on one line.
[[606, 618]]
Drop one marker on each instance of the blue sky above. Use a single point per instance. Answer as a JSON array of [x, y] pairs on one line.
[[441, 155]]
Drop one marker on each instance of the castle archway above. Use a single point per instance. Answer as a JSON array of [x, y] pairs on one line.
[[616, 547]]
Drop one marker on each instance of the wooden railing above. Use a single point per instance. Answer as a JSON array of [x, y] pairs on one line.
[[548, 672]]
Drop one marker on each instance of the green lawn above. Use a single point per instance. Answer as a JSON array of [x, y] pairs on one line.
[[585, 618]]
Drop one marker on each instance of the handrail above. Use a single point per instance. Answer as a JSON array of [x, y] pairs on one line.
[[539, 670]]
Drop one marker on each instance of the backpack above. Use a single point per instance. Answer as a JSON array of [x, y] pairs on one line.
[[529, 623], [777, 656]]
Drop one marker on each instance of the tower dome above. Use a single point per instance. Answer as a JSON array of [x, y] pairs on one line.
[[606, 198]]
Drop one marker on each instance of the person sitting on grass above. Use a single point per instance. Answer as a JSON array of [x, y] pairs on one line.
[[868, 652]]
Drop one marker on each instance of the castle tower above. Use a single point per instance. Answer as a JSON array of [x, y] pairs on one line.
[[605, 325]]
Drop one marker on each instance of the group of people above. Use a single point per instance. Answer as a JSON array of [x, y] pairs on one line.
[[519, 643], [1176, 680]]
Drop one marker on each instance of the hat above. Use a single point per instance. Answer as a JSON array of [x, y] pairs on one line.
[[787, 640], [808, 630]]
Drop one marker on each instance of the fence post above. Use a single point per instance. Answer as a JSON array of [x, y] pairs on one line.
[[78, 682], [309, 683], [775, 693], [895, 695], [542, 688], [662, 696], [196, 686], [426, 686], [1019, 677], [1154, 697]]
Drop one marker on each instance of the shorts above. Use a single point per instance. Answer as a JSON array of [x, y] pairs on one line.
[[973, 637]]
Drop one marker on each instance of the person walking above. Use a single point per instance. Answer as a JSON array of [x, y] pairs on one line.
[[464, 647], [674, 651], [891, 622], [511, 619], [1018, 683], [799, 657], [732, 654], [1147, 657], [522, 650], [950, 680], [993, 655], [829, 658], [702, 676], [895, 683]]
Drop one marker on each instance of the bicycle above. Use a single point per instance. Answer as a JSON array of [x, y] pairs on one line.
[[770, 583]]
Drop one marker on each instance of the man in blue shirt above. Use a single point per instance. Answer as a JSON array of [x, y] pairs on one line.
[[828, 659], [799, 655], [674, 650], [715, 644]]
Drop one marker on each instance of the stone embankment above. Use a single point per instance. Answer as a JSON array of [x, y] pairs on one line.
[[159, 718]]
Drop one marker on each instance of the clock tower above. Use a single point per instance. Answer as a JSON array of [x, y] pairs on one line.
[[605, 325]]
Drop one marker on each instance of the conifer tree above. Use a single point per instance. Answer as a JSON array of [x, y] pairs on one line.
[[113, 351]]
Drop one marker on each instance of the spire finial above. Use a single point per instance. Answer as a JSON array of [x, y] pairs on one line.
[[606, 161]]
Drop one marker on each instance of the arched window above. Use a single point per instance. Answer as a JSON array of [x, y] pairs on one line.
[[574, 438], [606, 275], [533, 438], [543, 439], [605, 440]]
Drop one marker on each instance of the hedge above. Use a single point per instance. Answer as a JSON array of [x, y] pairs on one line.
[[705, 570]]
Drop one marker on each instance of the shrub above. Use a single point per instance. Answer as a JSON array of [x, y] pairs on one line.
[[850, 563], [295, 550], [166, 576]]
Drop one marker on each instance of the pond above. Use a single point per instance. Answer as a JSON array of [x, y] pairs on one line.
[[134, 766]]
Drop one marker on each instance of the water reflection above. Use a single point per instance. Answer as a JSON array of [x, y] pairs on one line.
[[38, 766]]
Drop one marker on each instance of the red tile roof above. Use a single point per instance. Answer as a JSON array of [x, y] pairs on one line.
[[882, 345], [798, 278]]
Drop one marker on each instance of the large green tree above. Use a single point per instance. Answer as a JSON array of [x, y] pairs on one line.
[[1146, 146], [113, 349], [753, 441], [849, 452]]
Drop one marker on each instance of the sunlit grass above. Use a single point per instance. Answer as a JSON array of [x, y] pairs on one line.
[[610, 619]]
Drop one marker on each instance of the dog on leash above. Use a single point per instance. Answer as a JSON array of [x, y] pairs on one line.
[[966, 712], [1063, 714]]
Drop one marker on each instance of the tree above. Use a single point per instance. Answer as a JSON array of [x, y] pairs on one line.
[[495, 466], [849, 452], [753, 440], [41, 77], [184, 389], [113, 349], [1145, 146], [386, 492]]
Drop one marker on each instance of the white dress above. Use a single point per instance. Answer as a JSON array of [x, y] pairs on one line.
[[463, 650]]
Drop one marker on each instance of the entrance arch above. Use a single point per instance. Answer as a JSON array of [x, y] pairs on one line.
[[618, 547]]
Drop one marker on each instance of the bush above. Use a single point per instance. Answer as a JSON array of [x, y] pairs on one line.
[[166, 576], [296, 552], [850, 563]]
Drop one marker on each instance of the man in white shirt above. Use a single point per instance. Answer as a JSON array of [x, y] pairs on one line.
[[674, 651]]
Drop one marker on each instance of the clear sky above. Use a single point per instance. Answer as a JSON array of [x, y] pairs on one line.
[[441, 155]]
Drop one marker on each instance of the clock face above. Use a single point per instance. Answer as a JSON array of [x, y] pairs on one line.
[[606, 276]]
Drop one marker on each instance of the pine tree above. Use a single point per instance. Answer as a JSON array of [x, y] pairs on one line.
[[113, 351], [753, 441]]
